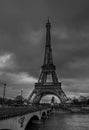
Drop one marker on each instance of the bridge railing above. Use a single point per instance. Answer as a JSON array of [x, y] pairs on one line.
[[8, 112]]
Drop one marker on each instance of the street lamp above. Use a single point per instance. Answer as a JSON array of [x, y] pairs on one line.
[[21, 93], [21, 96], [4, 93]]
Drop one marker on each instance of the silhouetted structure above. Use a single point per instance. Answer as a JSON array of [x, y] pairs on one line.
[[4, 93], [44, 85]]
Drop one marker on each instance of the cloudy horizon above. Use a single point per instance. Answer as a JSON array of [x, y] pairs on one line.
[[22, 40]]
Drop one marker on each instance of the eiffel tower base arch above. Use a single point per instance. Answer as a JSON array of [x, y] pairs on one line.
[[39, 92]]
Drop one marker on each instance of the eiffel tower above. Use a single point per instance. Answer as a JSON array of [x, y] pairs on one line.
[[44, 86]]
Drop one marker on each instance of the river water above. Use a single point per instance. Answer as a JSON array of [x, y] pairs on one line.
[[64, 122]]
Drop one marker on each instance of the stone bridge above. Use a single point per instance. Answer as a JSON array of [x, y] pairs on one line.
[[19, 118]]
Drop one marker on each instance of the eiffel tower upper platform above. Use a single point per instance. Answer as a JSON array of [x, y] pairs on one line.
[[44, 86]]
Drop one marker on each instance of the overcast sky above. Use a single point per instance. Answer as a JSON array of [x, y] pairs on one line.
[[22, 40]]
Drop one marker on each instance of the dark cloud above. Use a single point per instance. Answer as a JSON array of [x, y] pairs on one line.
[[22, 34], [71, 13]]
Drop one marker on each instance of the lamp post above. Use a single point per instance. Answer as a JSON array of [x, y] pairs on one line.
[[22, 96], [21, 93], [4, 93]]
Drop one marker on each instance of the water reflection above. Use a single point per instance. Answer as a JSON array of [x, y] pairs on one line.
[[63, 122]]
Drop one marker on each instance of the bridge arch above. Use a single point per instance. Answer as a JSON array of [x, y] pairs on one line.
[[30, 122], [43, 115], [48, 112]]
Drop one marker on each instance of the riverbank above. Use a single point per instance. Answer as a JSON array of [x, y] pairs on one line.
[[79, 109], [72, 109]]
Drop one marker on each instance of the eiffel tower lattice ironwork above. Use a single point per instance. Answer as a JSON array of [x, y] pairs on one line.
[[44, 87]]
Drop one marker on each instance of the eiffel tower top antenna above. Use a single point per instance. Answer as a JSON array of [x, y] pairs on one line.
[[48, 18], [48, 60]]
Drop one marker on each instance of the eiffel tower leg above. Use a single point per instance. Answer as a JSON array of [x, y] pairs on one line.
[[37, 98], [31, 96], [63, 97], [54, 77], [43, 77]]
